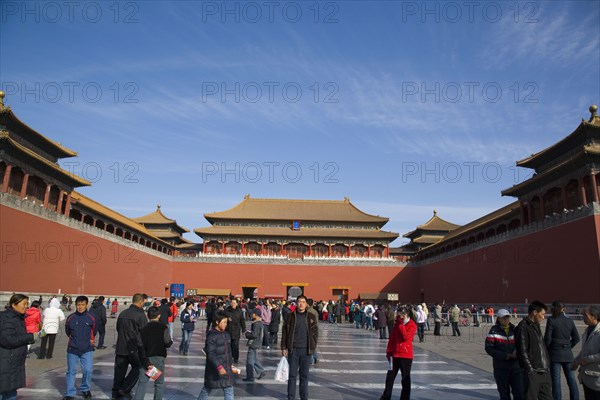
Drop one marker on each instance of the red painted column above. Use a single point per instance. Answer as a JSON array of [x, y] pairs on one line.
[[223, 247], [582, 195], [24, 185], [329, 250], [243, 248], [369, 251], [204, 247], [6, 179], [387, 251], [60, 199], [310, 249], [563, 194], [594, 180], [68, 205], [47, 195], [82, 217], [262, 248], [348, 252], [282, 252]]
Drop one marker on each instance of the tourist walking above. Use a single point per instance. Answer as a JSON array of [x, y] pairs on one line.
[[188, 324], [500, 344], [421, 319], [560, 337], [399, 353], [437, 319], [454, 318], [235, 326], [52, 317], [254, 337], [128, 347], [98, 311], [156, 340], [219, 370]]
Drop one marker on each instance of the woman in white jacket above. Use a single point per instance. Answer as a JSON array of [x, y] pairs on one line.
[[53, 315]]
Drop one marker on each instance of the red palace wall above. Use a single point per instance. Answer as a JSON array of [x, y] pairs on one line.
[[38, 255], [562, 262]]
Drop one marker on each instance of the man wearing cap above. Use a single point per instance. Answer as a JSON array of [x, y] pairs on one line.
[[500, 344], [298, 341]]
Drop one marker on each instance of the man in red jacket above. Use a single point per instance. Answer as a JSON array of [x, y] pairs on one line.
[[399, 353]]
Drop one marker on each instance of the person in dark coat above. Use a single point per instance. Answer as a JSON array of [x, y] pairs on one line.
[[380, 321], [274, 325], [13, 346], [235, 326], [98, 311], [560, 337], [219, 370], [165, 311], [128, 348]]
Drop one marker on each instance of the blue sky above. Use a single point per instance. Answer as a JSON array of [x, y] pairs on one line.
[[404, 107]]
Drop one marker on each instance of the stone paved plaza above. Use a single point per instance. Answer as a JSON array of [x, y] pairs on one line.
[[352, 366]]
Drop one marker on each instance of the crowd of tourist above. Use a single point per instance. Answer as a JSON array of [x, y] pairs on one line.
[[527, 364]]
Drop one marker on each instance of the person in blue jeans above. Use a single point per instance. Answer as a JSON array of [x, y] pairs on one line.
[[560, 337], [81, 329], [254, 337], [188, 324]]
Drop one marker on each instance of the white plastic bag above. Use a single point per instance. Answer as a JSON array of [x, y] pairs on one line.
[[283, 370]]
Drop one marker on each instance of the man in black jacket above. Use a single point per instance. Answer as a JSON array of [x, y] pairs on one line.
[[98, 311], [298, 341], [156, 339], [533, 355], [129, 347], [235, 326]]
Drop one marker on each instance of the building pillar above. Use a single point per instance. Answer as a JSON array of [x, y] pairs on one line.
[[563, 195], [47, 195], [243, 248], [282, 251], [24, 185], [310, 249], [348, 252], [522, 213], [68, 205], [369, 250], [542, 210], [204, 247], [330, 250], [582, 195], [529, 211], [82, 217], [387, 251], [594, 180], [60, 200], [262, 248], [223, 247], [6, 179]]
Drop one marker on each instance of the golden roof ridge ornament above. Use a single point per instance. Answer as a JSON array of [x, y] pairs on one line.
[[435, 213], [158, 207], [594, 111], [2, 94]]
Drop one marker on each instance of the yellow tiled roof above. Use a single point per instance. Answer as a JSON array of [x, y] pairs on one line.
[[303, 210]]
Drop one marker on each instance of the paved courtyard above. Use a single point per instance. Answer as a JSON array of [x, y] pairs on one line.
[[352, 366]]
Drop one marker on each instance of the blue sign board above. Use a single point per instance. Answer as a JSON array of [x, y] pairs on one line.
[[296, 225], [177, 290]]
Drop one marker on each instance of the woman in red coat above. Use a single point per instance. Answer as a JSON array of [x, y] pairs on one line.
[[400, 354]]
